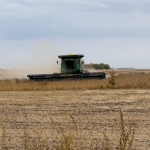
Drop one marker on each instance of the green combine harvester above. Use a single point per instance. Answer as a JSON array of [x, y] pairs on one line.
[[72, 67]]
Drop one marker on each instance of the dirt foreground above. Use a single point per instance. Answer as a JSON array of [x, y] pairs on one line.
[[92, 110]]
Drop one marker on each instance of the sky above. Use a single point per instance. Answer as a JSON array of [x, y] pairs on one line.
[[34, 32]]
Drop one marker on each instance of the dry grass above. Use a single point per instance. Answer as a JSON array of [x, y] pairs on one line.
[[69, 140], [122, 81], [59, 118], [72, 141], [75, 120]]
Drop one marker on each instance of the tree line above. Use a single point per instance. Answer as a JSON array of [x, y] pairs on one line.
[[97, 66]]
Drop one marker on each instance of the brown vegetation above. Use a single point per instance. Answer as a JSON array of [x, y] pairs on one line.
[[59, 118], [81, 120], [121, 81], [73, 141], [69, 140]]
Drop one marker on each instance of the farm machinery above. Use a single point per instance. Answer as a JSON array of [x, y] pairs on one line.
[[72, 67]]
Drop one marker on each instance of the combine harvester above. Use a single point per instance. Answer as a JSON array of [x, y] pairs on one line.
[[72, 67]]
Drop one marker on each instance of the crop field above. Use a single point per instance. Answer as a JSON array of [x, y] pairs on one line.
[[106, 114], [75, 119], [114, 81]]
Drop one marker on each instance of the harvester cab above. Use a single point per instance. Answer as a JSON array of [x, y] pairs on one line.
[[72, 63]]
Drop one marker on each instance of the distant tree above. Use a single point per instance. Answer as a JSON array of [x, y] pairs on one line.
[[107, 66], [97, 66]]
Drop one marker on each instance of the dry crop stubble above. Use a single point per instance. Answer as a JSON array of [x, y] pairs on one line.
[[76, 119], [121, 81]]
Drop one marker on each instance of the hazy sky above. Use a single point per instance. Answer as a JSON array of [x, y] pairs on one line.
[[116, 32]]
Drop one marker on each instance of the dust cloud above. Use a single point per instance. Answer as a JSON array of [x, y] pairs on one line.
[[41, 59]]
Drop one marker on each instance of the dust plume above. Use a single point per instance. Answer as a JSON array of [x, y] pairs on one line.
[[44, 58], [40, 59]]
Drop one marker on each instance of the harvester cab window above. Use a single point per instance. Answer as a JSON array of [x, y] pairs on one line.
[[69, 64]]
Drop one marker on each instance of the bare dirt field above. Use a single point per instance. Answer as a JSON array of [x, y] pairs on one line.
[[82, 114]]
